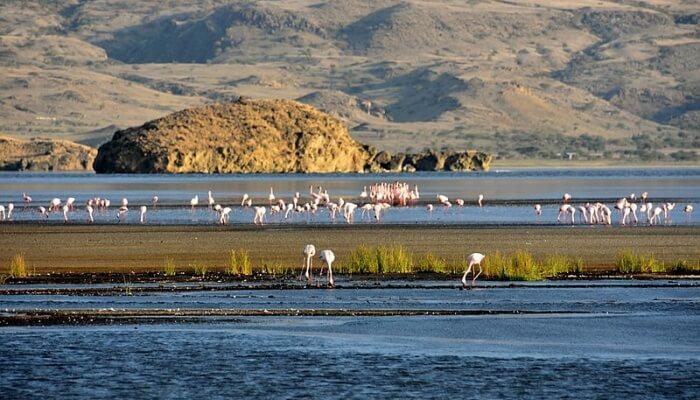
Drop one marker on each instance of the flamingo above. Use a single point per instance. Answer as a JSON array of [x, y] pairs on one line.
[[89, 209], [459, 202], [309, 253], [366, 208], [538, 210], [363, 194], [566, 198], [224, 217], [349, 212], [480, 200], [154, 201], [69, 202], [430, 208], [125, 202], [121, 213], [26, 198], [328, 257], [142, 214], [194, 202], [688, 210], [654, 219], [377, 211], [10, 207], [210, 199], [245, 198], [633, 209], [65, 213], [667, 208], [442, 199], [55, 204], [43, 212], [566, 209], [259, 217], [271, 196], [473, 260], [2, 212]]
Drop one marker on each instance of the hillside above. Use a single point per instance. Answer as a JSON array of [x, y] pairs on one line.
[[522, 79]]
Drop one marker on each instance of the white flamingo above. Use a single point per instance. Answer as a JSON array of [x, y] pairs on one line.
[[69, 202], [65, 213], [259, 218], [473, 260], [245, 198], [154, 202], [538, 210], [271, 196], [309, 253], [90, 210], [480, 200], [10, 208], [43, 212], [26, 199], [2, 212], [194, 202], [328, 257], [224, 217], [210, 199], [55, 204], [121, 213], [142, 214]]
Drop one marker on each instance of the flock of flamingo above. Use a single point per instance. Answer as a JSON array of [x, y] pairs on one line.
[[377, 199]]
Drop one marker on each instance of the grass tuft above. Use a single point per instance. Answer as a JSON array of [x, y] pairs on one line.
[[199, 269], [239, 263], [18, 267], [169, 267], [628, 262]]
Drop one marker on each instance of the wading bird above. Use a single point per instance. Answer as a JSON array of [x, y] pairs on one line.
[[2, 212], [473, 260], [142, 214], [309, 253], [245, 199], [154, 202], [271, 196], [65, 213], [194, 202], [259, 218], [538, 210], [26, 199], [89, 209], [328, 257], [224, 217], [210, 199], [10, 208], [480, 200]]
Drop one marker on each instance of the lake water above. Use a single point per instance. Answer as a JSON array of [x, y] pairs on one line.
[[603, 339], [512, 193]]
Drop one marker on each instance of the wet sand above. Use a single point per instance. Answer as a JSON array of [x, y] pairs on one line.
[[120, 249]]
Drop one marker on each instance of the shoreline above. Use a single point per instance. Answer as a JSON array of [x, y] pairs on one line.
[[133, 249]]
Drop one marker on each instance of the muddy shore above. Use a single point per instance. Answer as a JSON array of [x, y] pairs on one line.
[[114, 249]]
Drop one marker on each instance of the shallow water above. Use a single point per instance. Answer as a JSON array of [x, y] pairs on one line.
[[610, 340], [680, 184]]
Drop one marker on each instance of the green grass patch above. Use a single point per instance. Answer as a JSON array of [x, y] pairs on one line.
[[18, 267], [169, 267], [239, 263], [199, 269]]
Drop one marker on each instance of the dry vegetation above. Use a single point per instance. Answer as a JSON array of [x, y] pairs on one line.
[[604, 79]]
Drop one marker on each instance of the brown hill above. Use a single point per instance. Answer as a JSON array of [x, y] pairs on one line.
[[523, 78], [41, 154], [246, 136]]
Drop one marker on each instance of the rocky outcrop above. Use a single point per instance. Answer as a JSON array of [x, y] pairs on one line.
[[430, 160], [254, 136], [40, 154], [243, 137]]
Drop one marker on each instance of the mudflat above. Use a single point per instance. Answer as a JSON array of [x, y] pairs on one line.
[[114, 248]]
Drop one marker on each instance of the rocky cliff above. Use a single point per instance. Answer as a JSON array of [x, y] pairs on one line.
[[44, 155], [251, 136]]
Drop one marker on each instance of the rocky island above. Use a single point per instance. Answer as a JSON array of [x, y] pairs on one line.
[[42, 154], [258, 136]]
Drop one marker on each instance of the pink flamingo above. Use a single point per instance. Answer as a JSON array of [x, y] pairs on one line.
[[89, 209], [224, 217]]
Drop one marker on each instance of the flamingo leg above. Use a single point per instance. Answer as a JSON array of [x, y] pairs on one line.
[[464, 278], [477, 275]]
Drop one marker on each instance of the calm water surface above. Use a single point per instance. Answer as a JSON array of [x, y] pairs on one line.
[[609, 340], [175, 191]]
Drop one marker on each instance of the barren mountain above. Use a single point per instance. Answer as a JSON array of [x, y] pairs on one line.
[[524, 79]]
